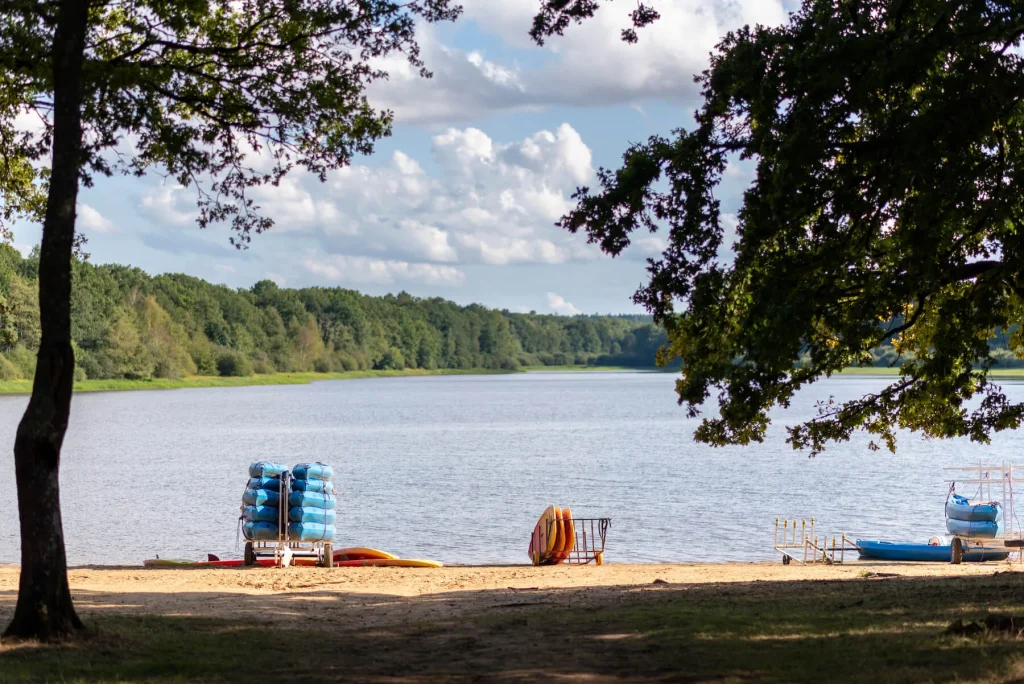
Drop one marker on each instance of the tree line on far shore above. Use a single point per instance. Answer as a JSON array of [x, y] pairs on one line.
[[127, 324]]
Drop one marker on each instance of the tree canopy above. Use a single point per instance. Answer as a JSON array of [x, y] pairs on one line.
[[222, 95], [885, 207]]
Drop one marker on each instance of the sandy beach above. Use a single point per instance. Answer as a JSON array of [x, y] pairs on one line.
[[360, 597], [613, 623]]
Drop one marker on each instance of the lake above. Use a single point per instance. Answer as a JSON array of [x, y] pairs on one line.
[[458, 468]]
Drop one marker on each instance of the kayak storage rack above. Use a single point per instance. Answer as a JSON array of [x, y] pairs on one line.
[[590, 535], [284, 548]]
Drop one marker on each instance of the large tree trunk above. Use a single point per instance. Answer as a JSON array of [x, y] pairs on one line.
[[44, 609]]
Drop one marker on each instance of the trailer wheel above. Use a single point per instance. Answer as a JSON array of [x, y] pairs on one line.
[[956, 551], [785, 559], [249, 558]]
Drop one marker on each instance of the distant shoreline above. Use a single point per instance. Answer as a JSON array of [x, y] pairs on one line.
[[11, 387], [202, 381]]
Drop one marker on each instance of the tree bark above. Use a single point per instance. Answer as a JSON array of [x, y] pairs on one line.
[[44, 609]]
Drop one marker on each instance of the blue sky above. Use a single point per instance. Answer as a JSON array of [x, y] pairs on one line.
[[460, 202]]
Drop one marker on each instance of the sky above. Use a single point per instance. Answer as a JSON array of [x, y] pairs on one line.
[[461, 201]]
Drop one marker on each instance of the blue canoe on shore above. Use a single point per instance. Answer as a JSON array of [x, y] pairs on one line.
[[925, 553], [961, 508]]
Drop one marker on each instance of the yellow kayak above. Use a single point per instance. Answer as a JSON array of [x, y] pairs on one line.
[[361, 553]]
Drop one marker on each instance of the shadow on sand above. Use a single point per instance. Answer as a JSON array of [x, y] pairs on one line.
[[867, 629]]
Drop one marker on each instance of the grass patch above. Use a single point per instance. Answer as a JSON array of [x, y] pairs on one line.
[[25, 386], [885, 370], [535, 369], [859, 630]]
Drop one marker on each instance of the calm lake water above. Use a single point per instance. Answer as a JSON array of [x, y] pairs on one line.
[[458, 468]]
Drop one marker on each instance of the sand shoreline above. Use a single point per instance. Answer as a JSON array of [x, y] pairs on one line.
[[386, 596]]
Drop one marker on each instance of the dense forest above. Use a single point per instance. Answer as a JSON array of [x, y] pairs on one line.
[[127, 324]]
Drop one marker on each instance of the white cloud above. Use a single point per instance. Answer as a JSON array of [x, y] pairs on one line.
[[588, 66], [560, 306], [359, 269], [169, 204], [226, 268], [492, 203], [93, 221]]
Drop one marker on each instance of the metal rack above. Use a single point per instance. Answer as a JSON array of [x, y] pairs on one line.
[[283, 549], [588, 545], [809, 548], [994, 483]]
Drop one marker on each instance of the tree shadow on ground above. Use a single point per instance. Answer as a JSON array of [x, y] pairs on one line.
[[870, 630]]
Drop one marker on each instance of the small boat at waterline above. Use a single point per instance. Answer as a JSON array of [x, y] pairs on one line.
[[926, 553], [961, 508]]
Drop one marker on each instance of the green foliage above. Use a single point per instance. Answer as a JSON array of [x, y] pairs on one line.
[[8, 371], [24, 360], [887, 144], [127, 324], [231, 363]]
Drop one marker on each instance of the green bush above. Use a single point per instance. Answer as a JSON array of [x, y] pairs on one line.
[[8, 371], [80, 374], [392, 360], [231, 363], [24, 360], [262, 365], [347, 362], [323, 364]]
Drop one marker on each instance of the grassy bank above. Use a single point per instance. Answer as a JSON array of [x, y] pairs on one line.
[[574, 369], [883, 370], [25, 386], [875, 628]]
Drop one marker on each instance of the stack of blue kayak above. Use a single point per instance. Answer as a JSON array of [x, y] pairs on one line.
[[261, 501], [311, 503], [973, 520]]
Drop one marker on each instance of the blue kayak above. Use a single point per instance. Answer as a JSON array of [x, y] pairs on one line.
[[266, 469], [261, 513], [312, 471], [310, 499], [310, 531], [961, 508], [316, 515], [261, 497], [313, 486], [982, 529], [260, 531], [900, 551], [264, 483]]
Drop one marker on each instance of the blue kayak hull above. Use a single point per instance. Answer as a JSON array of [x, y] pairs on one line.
[[960, 508], [925, 553], [266, 469], [261, 513], [312, 471], [982, 529], [325, 486], [311, 500], [308, 531], [259, 531], [314, 515], [261, 497]]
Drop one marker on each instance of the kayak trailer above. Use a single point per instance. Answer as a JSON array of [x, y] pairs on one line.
[[284, 547], [994, 483]]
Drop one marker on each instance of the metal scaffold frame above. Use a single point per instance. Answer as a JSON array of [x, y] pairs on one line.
[[588, 545], [809, 548]]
